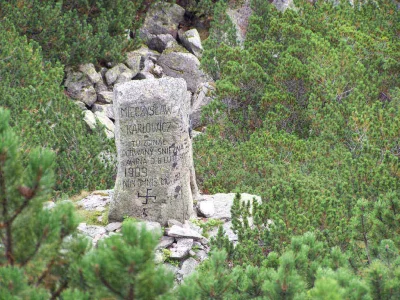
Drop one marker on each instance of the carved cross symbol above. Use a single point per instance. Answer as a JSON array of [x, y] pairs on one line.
[[147, 196]]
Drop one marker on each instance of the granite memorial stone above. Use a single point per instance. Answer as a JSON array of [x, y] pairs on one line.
[[154, 151]]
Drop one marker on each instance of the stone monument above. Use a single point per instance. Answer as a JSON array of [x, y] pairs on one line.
[[154, 150]]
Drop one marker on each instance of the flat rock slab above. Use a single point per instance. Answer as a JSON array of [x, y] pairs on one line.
[[179, 232], [94, 201], [165, 242], [113, 226], [223, 203]]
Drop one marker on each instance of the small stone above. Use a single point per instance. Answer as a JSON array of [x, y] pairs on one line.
[[172, 222], [206, 208], [108, 124], [90, 119], [100, 208], [125, 77], [192, 226], [113, 73], [133, 62], [192, 253], [100, 219], [165, 242], [188, 267], [107, 109], [105, 97], [100, 87], [157, 71], [90, 72], [176, 231], [191, 40], [80, 104], [158, 257], [182, 249], [113, 226], [201, 255]]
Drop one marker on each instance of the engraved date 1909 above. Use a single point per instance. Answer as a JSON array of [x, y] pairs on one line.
[[136, 172]]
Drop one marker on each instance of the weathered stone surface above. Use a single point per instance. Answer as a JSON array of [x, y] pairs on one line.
[[91, 230], [283, 5], [90, 72], [188, 267], [202, 97], [113, 73], [105, 97], [162, 18], [133, 62], [182, 248], [100, 87], [79, 87], [179, 232], [201, 255], [93, 201], [107, 109], [191, 40], [90, 119], [160, 41], [183, 65], [229, 232], [172, 222], [223, 203], [108, 124], [192, 226], [113, 226], [206, 208], [125, 77], [154, 151], [165, 242], [240, 18]]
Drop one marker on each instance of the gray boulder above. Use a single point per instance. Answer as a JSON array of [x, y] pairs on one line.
[[90, 119], [113, 226], [202, 97], [223, 203], [107, 109], [94, 201], [133, 62], [191, 40], [113, 73], [181, 251], [108, 124], [90, 72], [100, 87], [179, 232], [183, 65], [105, 97], [162, 18], [159, 42], [206, 208], [188, 267], [165, 242], [91, 230], [79, 87]]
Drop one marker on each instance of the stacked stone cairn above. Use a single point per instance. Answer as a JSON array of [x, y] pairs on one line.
[[168, 51], [182, 246]]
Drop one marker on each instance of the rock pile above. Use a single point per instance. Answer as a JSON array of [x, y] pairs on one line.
[[169, 51], [182, 246]]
